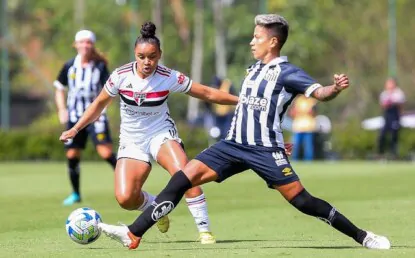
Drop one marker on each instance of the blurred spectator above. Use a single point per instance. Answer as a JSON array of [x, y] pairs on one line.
[[303, 127], [218, 119], [391, 100]]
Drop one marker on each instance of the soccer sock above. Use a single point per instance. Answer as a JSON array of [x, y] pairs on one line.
[[147, 200], [112, 160], [73, 168], [164, 203], [198, 208], [316, 207]]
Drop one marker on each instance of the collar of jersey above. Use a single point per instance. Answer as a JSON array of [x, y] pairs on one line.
[[275, 61]]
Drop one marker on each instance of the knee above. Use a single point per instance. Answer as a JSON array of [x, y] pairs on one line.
[[105, 152], [302, 200], [310, 205], [127, 202], [73, 154]]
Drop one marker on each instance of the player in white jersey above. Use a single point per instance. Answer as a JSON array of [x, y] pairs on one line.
[[255, 141], [147, 130]]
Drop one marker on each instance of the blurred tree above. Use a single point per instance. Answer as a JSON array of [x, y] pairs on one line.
[[197, 58]]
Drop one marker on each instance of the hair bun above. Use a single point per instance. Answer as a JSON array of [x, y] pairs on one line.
[[148, 30]]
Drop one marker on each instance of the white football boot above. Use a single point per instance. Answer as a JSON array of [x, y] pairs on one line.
[[120, 234], [373, 241]]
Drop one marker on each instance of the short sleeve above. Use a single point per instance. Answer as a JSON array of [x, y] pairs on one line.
[[104, 74], [113, 84], [400, 98], [300, 82], [179, 82], [62, 81]]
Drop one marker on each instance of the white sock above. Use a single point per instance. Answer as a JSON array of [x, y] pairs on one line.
[[148, 199], [198, 208]]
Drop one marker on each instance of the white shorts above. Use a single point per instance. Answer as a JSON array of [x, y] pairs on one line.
[[148, 149]]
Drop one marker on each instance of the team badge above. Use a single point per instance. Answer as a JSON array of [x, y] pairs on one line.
[[181, 78], [271, 75], [139, 98]]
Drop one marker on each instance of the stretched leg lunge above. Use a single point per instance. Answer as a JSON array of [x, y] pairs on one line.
[[310, 205]]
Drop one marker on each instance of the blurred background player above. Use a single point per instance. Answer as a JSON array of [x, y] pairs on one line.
[[147, 130], [83, 77], [391, 100], [303, 127]]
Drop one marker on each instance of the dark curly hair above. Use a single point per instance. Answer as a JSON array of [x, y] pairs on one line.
[[148, 35]]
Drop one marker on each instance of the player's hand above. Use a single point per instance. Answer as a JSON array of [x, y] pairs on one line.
[[341, 82], [288, 148], [68, 135], [63, 116]]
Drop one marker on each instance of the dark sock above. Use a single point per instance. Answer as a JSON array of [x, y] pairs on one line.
[[73, 168], [164, 203], [112, 160], [316, 207]]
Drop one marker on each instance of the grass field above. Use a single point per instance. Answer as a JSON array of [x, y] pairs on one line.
[[248, 219]]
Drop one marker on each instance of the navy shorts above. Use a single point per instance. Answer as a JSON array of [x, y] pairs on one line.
[[98, 131], [228, 158]]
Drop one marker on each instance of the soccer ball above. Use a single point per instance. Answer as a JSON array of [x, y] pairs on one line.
[[82, 225]]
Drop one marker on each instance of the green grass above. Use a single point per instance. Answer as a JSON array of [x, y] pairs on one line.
[[248, 219]]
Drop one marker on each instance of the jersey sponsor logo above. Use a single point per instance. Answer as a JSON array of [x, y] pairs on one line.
[[279, 158], [162, 210], [181, 78], [254, 103], [139, 97]]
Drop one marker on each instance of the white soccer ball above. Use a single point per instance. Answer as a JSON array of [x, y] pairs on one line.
[[82, 225]]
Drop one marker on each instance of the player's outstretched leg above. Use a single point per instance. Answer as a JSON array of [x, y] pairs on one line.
[[196, 173], [310, 205]]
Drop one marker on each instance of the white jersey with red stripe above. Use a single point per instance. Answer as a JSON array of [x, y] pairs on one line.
[[143, 105]]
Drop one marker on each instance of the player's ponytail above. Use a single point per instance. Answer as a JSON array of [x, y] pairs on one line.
[[148, 34], [97, 56]]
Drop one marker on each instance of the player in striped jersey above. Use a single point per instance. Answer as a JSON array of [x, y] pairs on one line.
[[255, 141], [83, 77], [147, 131]]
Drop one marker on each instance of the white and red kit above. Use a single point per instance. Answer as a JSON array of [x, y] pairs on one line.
[[145, 120]]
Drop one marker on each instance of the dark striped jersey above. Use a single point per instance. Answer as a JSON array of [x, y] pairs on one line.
[[266, 93], [143, 106], [83, 83]]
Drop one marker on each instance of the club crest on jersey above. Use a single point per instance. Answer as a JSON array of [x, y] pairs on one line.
[[271, 75], [139, 98], [181, 78]]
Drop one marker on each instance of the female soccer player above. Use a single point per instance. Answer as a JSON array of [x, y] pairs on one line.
[[255, 141], [83, 76], [147, 129]]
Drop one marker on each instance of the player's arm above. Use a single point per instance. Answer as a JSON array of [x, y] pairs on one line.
[[60, 84], [61, 105], [92, 113], [327, 93], [209, 94]]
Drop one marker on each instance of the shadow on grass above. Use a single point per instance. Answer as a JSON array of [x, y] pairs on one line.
[[229, 241]]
